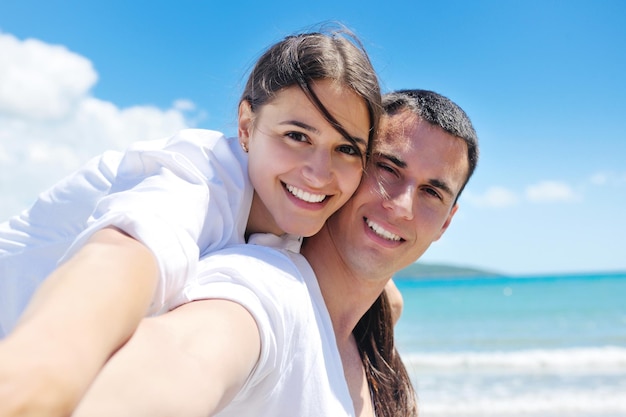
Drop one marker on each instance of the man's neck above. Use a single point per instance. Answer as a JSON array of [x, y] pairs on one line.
[[347, 294]]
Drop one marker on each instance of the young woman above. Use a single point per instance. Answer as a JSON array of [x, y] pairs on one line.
[[128, 229]]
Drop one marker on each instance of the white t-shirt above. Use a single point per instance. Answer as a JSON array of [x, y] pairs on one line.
[[183, 197], [299, 372]]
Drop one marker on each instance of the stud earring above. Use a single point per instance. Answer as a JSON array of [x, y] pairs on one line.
[[244, 147]]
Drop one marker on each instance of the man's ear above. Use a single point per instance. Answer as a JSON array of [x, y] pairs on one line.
[[445, 225], [245, 123]]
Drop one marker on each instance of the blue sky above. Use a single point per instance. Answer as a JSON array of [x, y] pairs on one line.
[[544, 82]]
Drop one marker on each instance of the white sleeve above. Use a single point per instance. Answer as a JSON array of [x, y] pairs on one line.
[[262, 312], [180, 197], [32, 242], [60, 213], [267, 283], [299, 371]]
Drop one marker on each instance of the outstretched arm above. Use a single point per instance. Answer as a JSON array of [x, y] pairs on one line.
[[83, 312], [191, 361]]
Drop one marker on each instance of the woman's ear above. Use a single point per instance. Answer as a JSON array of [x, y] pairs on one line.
[[245, 123]]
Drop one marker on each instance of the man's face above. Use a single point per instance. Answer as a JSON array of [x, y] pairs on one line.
[[406, 199]]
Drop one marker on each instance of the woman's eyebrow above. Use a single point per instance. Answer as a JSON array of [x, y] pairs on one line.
[[360, 141], [301, 125]]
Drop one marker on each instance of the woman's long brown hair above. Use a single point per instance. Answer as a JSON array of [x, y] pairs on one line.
[[391, 388]]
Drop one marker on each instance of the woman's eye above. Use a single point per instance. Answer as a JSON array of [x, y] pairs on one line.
[[297, 136], [348, 150]]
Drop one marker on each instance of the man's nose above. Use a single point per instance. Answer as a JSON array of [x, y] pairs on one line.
[[402, 202]]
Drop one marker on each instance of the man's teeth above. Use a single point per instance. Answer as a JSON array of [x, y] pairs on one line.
[[306, 196], [382, 232]]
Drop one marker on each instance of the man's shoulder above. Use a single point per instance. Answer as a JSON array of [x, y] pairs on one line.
[[250, 261], [274, 276]]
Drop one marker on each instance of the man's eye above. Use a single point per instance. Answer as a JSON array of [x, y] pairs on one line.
[[385, 168], [432, 192]]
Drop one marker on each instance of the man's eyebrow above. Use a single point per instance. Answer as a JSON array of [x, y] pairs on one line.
[[393, 159], [437, 183], [442, 186]]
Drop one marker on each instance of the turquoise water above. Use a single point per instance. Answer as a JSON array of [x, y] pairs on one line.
[[540, 346]]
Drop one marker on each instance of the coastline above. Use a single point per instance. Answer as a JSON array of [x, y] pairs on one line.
[[535, 346]]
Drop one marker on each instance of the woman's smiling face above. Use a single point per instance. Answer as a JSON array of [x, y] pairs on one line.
[[301, 167]]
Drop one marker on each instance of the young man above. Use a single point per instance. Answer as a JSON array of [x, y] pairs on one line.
[[267, 336]]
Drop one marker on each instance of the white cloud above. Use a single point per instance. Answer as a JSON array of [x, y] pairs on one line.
[[184, 105], [607, 178], [50, 124], [599, 178], [551, 191], [40, 81], [494, 197]]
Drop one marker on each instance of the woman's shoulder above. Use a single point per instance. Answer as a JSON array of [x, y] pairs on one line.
[[197, 137]]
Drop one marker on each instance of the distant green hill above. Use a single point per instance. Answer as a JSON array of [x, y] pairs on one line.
[[423, 270]]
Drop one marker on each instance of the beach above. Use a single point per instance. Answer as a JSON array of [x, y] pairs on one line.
[[542, 346]]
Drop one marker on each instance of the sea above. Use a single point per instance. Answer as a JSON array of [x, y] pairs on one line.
[[541, 346]]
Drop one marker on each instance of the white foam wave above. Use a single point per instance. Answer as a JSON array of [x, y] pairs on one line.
[[574, 359], [517, 393], [549, 404]]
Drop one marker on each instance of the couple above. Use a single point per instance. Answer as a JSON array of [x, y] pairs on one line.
[[283, 336]]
